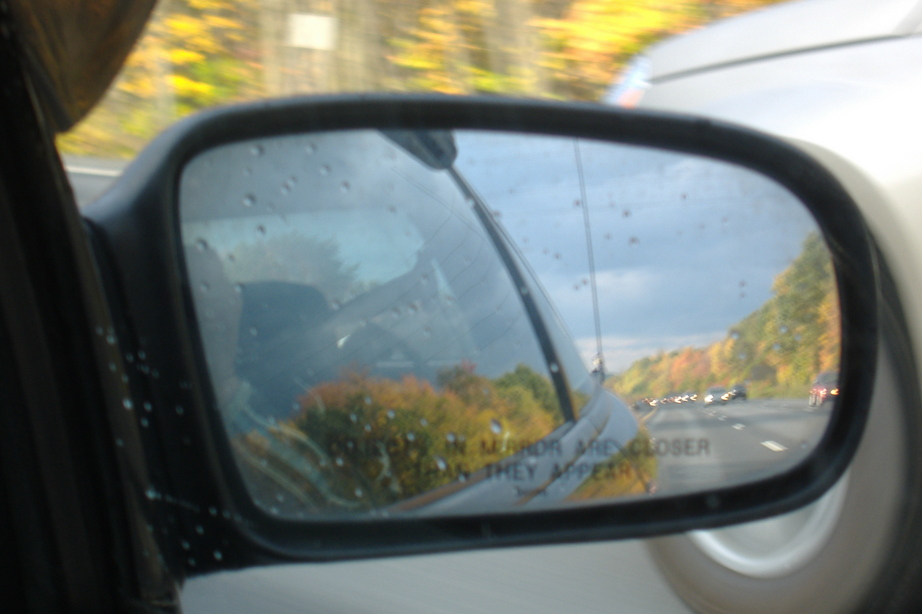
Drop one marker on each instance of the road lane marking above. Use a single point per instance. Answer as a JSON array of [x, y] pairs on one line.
[[739, 426], [87, 170], [774, 446], [645, 419]]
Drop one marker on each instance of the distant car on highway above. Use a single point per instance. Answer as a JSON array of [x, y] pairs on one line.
[[738, 392], [825, 388], [715, 394]]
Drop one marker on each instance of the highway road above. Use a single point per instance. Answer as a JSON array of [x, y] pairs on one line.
[[700, 446], [587, 578], [89, 177]]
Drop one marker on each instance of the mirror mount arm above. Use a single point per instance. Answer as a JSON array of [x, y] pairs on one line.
[[548, 350]]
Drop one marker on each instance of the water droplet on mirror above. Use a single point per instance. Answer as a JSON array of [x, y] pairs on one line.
[[144, 422], [249, 200], [285, 189], [185, 545], [253, 331], [325, 170], [200, 529], [411, 437], [213, 511], [633, 241], [344, 187], [339, 461], [179, 410], [247, 171], [257, 150], [440, 463], [353, 418], [391, 414], [358, 493], [335, 305], [120, 443], [496, 427], [626, 213], [201, 245], [423, 422], [218, 555], [261, 230], [451, 438], [367, 400], [367, 428], [151, 493], [127, 404], [554, 367], [310, 148]]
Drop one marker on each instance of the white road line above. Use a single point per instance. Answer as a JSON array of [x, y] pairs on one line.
[[774, 446], [739, 426], [88, 170]]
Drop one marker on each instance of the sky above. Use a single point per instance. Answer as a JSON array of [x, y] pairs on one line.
[[684, 246]]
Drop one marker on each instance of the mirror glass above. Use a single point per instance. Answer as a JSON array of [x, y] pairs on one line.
[[456, 322]]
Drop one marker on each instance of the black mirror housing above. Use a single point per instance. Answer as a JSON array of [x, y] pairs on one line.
[[177, 447]]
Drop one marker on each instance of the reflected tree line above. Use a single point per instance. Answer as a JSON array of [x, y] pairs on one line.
[[778, 349], [364, 443]]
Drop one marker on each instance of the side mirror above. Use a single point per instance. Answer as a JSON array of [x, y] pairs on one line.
[[399, 324]]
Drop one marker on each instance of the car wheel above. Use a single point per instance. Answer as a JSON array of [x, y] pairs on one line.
[[850, 551]]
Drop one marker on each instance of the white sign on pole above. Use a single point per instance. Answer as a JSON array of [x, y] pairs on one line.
[[312, 31]]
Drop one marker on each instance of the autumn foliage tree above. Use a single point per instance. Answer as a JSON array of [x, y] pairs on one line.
[[201, 53], [779, 348], [368, 442]]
